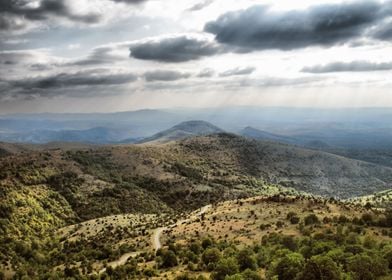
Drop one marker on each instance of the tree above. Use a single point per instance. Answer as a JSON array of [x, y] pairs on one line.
[[263, 257], [195, 247], [169, 259], [225, 267], [246, 259], [246, 275], [289, 243], [211, 255], [387, 256], [364, 267], [289, 266], [250, 275], [207, 242], [320, 268]]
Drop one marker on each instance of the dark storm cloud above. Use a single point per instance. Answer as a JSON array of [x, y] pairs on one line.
[[260, 28], [200, 6], [165, 76], [354, 66], [8, 22], [383, 32], [12, 12], [238, 72], [70, 80], [176, 49]]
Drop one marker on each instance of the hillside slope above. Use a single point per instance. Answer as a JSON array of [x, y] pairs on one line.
[[182, 131], [43, 190], [305, 170]]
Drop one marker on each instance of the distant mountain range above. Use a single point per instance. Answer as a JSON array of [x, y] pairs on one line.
[[316, 128], [371, 150], [97, 135]]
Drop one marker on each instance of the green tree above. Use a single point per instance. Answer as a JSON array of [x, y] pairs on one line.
[[211, 255], [250, 275], [364, 267], [207, 242], [169, 259], [320, 268], [246, 259], [225, 267], [288, 267]]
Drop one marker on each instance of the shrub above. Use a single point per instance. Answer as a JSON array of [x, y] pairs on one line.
[[211, 255], [169, 259], [311, 219]]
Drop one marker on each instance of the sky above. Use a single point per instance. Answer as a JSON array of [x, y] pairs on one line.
[[118, 55]]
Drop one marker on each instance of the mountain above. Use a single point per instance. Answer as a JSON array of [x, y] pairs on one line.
[[257, 134], [305, 170], [183, 130], [97, 135]]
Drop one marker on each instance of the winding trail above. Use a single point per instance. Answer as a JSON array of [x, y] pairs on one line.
[[156, 236], [156, 239]]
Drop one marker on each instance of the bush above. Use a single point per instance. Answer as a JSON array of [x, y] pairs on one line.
[[211, 255], [311, 219], [169, 259], [293, 218], [184, 276]]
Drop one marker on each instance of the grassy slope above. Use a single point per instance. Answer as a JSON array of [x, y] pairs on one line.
[[42, 191]]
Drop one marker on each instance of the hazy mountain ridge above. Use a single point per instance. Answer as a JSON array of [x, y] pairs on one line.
[[337, 128], [182, 131], [257, 134]]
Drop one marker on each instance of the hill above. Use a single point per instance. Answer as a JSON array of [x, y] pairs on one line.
[[257, 134], [182, 131], [43, 190], [305, 170]]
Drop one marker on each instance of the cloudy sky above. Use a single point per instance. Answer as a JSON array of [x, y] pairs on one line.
[[116, 55]]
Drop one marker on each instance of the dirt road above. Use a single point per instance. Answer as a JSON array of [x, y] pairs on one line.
[[156, 239], [156, 236]]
